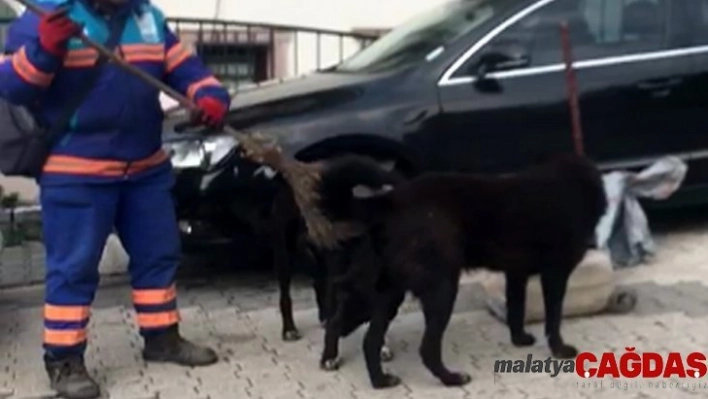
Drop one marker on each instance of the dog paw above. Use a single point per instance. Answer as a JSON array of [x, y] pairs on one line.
[[564, 351], [523, 339], [291, 335], [386, 381], [331, 364], [456, 379], [386, 354]]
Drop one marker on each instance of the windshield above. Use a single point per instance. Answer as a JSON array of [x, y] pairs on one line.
[[424, 36]]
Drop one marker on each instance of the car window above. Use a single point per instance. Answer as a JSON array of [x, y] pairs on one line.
[[688, 21], [425, 35], [598, 29]]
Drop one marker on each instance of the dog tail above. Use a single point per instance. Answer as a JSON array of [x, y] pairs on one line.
[[340, 180]]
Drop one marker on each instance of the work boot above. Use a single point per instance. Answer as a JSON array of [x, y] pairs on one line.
[[170, 347], [70, 379]]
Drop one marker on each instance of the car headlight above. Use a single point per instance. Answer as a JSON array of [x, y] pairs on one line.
[[203, 152]]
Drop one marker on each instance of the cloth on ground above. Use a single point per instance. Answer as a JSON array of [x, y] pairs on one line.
[[624, 229]]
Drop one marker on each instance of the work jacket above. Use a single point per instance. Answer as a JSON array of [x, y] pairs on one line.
[[116, 132]]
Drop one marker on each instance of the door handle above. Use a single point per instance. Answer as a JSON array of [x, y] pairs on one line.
[[513, 64], [663, 84]]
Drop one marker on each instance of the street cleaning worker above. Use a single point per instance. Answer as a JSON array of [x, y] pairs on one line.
[[108, 171]]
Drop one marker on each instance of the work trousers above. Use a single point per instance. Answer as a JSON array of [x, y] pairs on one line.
[[77, 219]]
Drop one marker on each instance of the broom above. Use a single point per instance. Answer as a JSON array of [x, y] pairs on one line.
[[302, 177]]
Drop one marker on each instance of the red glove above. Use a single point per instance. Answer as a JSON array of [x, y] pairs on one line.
[[211, 112], [55, 30]]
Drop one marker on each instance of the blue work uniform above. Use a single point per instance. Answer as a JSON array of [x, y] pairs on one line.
[[109, 170]]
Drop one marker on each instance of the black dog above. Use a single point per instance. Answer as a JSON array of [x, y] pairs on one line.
[[287, 235], [428, 230], [290, 245]]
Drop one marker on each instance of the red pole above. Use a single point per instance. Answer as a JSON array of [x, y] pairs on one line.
[[572, 87]]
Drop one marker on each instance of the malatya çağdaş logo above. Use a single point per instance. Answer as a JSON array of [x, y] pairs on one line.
[[630, 364]]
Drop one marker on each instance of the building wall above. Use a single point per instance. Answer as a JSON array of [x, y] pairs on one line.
[[337, 15], [326, 14]]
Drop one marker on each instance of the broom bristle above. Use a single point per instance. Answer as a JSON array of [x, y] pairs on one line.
[[303, 179]]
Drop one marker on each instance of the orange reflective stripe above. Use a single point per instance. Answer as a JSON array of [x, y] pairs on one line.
[[66, 313], [176, 55], [84, 57], [85, 166], [82, 166], [162, 319], [143, 52], [155, 296], [64, 337], [155, 159], [210, 81], [28, 72]]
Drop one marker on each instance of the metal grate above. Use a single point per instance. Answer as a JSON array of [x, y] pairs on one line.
[[247, 53]]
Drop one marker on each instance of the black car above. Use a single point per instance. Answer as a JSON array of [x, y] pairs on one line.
[[473, 85]]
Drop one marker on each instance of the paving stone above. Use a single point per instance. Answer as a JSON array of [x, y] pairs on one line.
[[239, 317]]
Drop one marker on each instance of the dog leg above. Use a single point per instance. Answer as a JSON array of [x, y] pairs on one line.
[[290, 332], [319, 284], [516, 309], [374, 343], [330, 360], [330, 261], [283, 270], [387, 354], [320, 288], [554, 287], [438, 303]]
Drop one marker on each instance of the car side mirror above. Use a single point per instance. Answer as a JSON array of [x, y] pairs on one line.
[[502, 56]]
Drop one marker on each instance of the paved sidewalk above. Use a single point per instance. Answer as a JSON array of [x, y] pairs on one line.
[[239, 317]]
